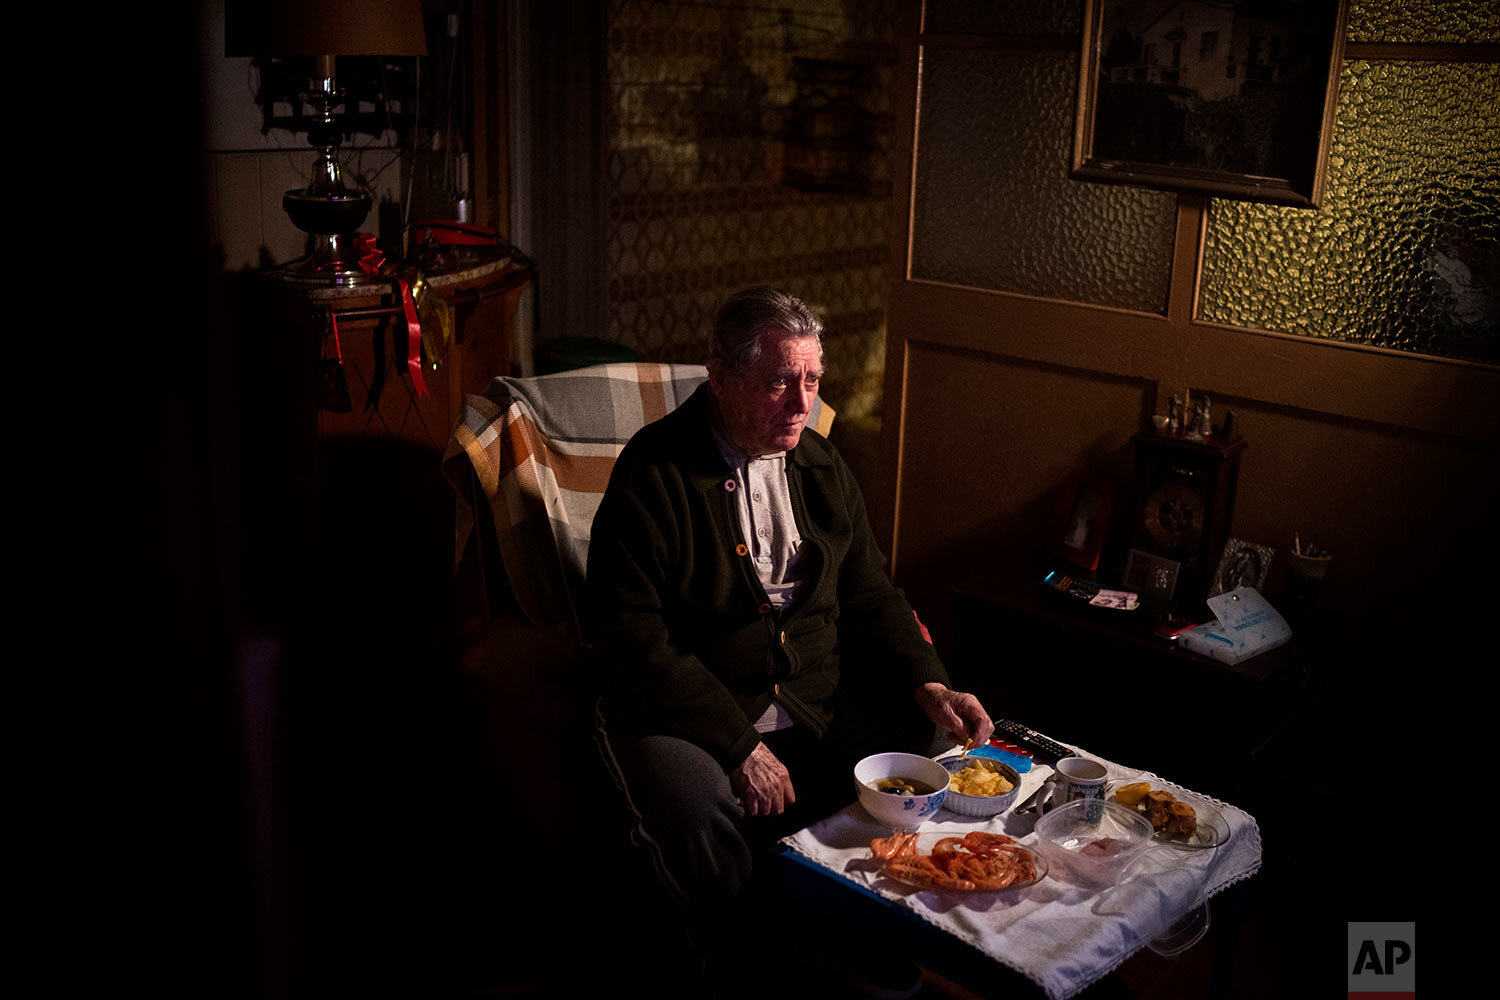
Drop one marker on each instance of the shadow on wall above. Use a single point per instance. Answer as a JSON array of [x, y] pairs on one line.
[[1016, 541], [858, 441]]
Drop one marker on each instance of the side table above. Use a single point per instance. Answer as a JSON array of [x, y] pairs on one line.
[[372, 343], [1101, 677]]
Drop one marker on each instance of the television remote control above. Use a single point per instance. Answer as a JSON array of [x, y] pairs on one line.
[[1045, 750]]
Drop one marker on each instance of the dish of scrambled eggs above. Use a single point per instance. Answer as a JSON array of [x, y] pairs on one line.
[[976, 779]]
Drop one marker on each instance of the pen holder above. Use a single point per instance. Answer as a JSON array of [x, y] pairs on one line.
[[1304, 578], [1311, 568]]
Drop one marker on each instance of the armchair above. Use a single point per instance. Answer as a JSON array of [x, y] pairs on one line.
[[529, 461], [540, 451]]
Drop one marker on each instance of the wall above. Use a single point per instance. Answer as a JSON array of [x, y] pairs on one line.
[[1079, 310], [248, 172], [715, 112], [996, 396]]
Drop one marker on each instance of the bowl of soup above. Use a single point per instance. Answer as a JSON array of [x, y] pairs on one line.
[[900, 790]]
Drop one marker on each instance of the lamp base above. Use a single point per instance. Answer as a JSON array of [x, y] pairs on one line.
[[330, 215], [334, 211], [334, 260]]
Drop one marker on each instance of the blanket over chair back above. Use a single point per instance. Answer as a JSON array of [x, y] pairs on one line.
[[542, 450]]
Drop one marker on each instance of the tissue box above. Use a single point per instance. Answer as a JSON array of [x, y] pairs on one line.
[[1245, 625]]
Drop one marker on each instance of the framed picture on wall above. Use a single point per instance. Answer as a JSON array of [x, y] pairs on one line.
[[1228, 98], [1153, 576], [1086, 524], [1244, 564]]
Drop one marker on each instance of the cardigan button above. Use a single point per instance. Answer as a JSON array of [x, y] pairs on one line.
[[764, 609], [783, 637], [740, 550], [729, 485]]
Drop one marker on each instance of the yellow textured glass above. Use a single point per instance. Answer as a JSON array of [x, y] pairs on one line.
[[994, 207], [1405, 252], [1431, 22]]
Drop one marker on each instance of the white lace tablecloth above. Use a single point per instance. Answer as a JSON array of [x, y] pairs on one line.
[[1061, 936]]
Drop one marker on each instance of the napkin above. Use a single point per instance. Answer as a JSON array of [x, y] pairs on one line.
[[1060, 936]]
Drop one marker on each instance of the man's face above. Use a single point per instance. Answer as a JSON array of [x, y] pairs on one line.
[[766, 407]]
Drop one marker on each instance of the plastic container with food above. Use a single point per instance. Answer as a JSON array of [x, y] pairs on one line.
[[1091, 854]]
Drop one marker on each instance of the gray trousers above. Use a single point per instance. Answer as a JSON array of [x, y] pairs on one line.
[[705, 850]]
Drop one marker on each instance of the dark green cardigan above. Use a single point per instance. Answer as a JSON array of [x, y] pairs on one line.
[[690, 644]]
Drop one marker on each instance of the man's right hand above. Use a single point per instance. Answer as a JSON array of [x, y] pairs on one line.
[[762, 783]]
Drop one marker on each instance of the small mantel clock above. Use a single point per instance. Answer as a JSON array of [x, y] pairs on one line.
[[1184, 499]]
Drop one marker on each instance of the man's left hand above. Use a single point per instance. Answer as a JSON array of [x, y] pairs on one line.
[[960, 714]]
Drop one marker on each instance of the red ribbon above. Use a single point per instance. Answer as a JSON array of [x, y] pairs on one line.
[[452, 234], [333, 321], [371, 260]]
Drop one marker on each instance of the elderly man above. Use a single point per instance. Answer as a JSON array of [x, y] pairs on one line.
[[756, 647]]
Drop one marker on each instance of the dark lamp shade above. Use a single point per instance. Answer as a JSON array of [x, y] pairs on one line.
[[324, 27]]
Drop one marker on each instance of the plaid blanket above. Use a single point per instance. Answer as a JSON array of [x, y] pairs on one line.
[[542, 450]]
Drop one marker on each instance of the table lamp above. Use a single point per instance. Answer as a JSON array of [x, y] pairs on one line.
[[328, 211]]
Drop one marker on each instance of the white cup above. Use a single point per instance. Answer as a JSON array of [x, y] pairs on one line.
[[1077, 778]]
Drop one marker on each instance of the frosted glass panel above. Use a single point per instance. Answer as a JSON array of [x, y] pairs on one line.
[[1424, 21], [994, 207], [1405, 252], [1001, 17]]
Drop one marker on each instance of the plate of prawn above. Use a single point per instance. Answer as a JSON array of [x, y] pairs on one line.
[[978, 861]]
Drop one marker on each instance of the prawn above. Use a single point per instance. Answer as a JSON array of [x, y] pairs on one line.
[[919, 868], [999, 881], [986, 844], [924, 871], [979, 860], [889, 848], [947, 846]]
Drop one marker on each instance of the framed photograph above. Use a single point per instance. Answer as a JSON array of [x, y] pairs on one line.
[[1243, 564], [1086, 525], [1151, 575], [1227, 97]]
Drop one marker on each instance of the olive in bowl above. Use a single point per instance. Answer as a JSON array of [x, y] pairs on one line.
[[901, 790]]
